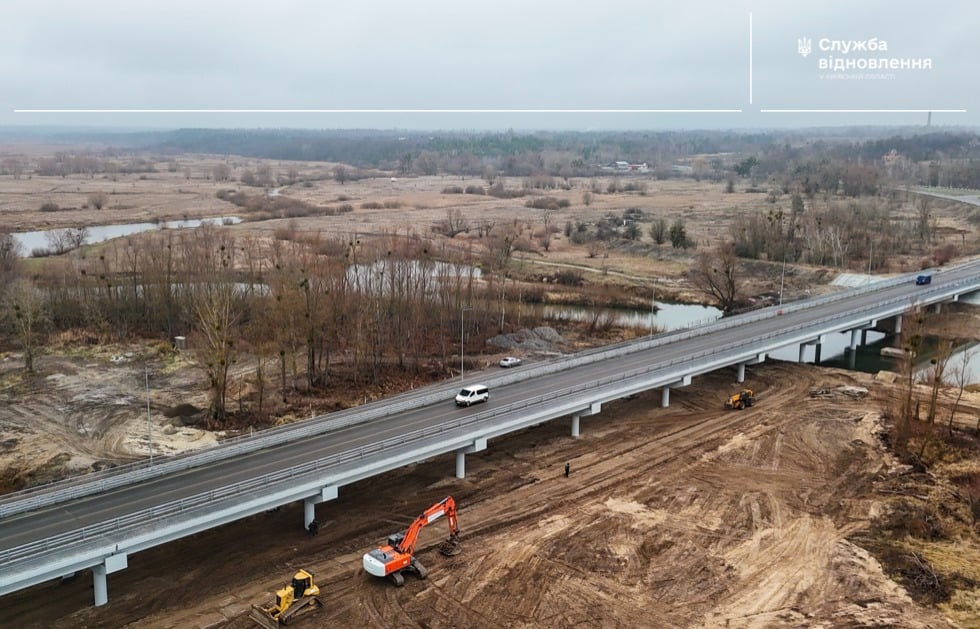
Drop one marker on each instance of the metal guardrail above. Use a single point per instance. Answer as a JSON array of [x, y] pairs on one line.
[[140, 518], [62, 491]]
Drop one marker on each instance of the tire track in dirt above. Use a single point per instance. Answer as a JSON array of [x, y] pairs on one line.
[[692, 515]]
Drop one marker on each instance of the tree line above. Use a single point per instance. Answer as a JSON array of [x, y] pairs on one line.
[[301, 309]]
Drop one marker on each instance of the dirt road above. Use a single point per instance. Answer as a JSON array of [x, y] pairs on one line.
[[688, 516]]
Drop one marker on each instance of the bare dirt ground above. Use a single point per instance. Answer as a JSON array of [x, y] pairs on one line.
[[687, 516], [87, 409]]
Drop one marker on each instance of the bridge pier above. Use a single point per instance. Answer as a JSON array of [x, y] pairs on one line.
[[478, 445], [761, 358], [864, 337], [665, 392], [309, 504], [898, 324], [801, 354], [100, 584], [854, 339], [309, 513], [594, 409], [460, 464]]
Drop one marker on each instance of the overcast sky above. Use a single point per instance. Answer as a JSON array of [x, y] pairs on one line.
[[470, 54]]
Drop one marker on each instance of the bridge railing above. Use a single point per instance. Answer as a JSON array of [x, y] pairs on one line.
[[139, 519], [70, 489]]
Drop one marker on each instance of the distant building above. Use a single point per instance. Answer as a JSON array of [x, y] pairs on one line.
[[625, 167]]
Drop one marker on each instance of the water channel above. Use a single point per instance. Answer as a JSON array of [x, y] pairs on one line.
[[29, 241], [834, 351]]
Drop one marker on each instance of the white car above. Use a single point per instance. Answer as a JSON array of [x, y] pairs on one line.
[[472, 394], [510, 361]]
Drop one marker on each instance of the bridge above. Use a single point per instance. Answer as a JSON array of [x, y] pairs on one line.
[[98, 521]]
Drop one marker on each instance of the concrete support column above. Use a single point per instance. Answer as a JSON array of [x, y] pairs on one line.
[[741, 372], [854, 339], [864, 337], [309, 512], [816, 353], [802, 352], [938, 308], [898, 324], [851, 359], [100, 585], [575, 426], [665, 397], [460, 464]]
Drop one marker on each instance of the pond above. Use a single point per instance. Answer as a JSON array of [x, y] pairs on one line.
[[29, 241], [668, 317]]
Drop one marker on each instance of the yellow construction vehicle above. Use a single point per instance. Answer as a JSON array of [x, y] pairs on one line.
[[743, 399], [296, 599]]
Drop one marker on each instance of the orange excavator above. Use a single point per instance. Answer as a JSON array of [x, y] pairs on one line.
[[398, 555]]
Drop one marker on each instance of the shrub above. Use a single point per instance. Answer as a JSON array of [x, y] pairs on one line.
[[475, 190], [499, 191], [50, 207], [569, 277], [453, 190], [371, 205], [547, 203]]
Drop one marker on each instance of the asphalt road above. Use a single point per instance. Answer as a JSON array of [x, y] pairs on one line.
[[37, 525]]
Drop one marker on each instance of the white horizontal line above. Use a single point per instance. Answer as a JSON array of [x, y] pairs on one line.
[[862, 111], [376, 111]]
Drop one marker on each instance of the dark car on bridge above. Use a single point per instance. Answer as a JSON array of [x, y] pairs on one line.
[[922, 280]]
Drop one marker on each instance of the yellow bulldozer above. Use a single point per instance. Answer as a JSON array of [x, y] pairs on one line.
[[743, 399], [296, 599]]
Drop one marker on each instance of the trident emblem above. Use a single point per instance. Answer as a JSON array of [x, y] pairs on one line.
[[804, 46]]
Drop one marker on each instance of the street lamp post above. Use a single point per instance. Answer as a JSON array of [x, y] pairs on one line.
[[782, 277], [653, 308], [149, 428]]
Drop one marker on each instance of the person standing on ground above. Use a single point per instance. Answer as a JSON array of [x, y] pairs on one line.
[[568, 467]]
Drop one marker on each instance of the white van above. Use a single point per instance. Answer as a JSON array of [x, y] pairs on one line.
[[472, 394]]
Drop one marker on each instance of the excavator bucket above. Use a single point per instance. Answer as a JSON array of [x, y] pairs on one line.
[[450, 547]]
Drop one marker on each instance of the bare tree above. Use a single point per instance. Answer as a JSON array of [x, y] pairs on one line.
[[264, 175], [25, 304], [961, 377], [938, 364], [98, 199], [454, 223], [221, 172], [59, 240], [340, 174], [716, 274], [10, 252], [76, 236], [217, 309]]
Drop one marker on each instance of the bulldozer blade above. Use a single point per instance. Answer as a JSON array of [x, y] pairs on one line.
[[260, 616]]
